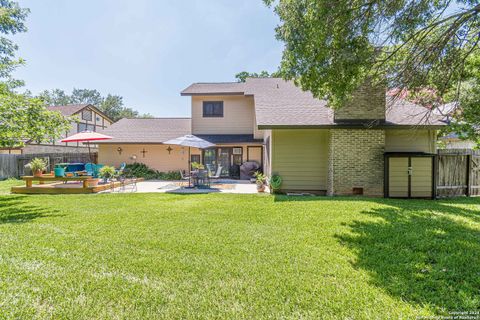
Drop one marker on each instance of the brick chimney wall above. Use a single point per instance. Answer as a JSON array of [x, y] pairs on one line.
[[368, 103]]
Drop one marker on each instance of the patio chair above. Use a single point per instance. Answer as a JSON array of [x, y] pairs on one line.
[[184, 176], [217, 173], [96, 171], [119, 171], [90, 169], [202, 179]]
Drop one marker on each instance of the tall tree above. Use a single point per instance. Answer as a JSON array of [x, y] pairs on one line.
[[87, 96], [333, 46], [12, 21], [111, 105], [242, 76], [466, 117], [22, 117], [55, 97]]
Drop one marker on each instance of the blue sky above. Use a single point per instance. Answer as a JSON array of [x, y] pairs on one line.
[[145, 50]]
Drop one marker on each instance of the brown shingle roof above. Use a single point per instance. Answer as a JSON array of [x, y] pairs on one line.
[[154, 130], [220, 88], [281, 103], [401, 112], [68, 110]]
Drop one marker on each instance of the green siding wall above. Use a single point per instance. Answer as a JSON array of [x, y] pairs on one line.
[[415, 140], [300, 157]]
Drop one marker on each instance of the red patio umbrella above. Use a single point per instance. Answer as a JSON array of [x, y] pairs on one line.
[[87, 136]]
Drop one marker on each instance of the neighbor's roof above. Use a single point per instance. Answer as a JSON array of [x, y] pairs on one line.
[[71, 109], [68, 110], [219, 88], [147, 130]]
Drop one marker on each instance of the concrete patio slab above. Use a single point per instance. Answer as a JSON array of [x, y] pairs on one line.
[[161, 186]]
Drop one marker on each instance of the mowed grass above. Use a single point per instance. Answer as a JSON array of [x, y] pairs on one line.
[[149, 256]]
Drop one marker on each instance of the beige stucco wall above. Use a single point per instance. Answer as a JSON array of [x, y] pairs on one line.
[[156, 157], [257, 134], [414, 140], [300, 157], [253, 154], [238, 115]]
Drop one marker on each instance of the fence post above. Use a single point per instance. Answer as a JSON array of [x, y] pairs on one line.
[[469, 173]]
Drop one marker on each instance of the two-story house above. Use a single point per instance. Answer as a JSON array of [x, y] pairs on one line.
[[374, 146], [86, 116]]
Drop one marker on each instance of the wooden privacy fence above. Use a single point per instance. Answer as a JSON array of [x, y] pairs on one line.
[[8, 166], [458, 172], [13, 165]]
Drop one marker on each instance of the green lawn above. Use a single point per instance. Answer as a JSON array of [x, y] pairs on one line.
[[148, 256]]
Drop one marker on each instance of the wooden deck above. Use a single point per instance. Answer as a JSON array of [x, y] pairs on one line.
[[68, 188]]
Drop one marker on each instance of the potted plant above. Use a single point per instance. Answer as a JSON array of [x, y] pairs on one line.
[[197, 166], [106, 172], [275, 183], [260, 180], [93, 182], [37, 165]]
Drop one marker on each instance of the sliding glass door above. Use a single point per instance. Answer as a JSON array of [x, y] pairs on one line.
[[224, 160], [228, 158]]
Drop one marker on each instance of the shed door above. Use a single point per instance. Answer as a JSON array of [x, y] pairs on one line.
[[421, 180], [398, 177], [410, 177]]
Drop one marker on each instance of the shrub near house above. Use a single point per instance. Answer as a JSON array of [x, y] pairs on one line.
[[141, 170]]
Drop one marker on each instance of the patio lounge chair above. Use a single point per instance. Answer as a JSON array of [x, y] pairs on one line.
[[217, 173]]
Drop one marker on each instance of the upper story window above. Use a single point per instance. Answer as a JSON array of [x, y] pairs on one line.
[[87, 115], [213, 109], [84, 126]]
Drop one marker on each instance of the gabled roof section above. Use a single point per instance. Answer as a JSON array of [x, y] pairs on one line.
[[211, 89], [69, 110], [72, 109], [147, 130]]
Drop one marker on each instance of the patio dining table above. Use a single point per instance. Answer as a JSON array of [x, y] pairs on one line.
[[199, 178]]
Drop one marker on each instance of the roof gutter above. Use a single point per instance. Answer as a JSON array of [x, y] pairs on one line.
[[213, 94], [350, 126]]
